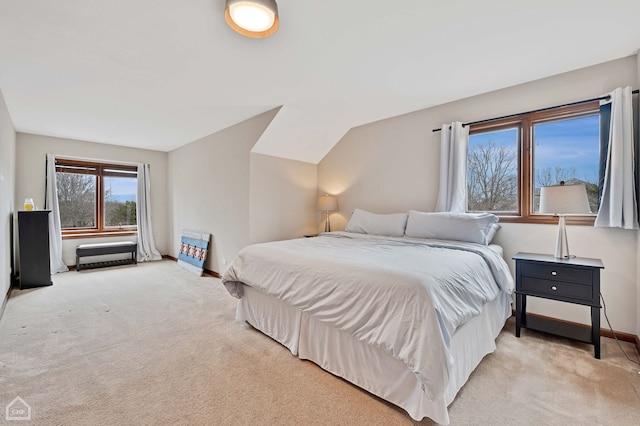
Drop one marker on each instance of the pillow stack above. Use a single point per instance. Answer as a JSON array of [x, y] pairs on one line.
[[479, 228], [390, 225]]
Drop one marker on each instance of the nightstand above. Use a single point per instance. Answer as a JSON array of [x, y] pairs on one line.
[[575, 280]]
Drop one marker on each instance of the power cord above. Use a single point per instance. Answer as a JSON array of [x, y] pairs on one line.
[[604, 305]]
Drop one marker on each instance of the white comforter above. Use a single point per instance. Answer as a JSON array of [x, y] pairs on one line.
[[406, 296]]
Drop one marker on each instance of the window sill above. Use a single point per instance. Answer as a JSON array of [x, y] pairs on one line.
[[77, 235], [549, 220]]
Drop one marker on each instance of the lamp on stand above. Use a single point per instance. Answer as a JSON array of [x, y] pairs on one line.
[[327, 203], [562, 200]]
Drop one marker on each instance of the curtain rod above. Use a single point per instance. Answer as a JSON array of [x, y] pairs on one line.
[[600, 98], [95, 160]]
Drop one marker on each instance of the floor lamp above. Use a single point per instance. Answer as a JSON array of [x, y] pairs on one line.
[[327, 203], [562, 200]]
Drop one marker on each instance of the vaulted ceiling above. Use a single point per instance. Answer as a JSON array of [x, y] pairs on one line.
[[159, 74]]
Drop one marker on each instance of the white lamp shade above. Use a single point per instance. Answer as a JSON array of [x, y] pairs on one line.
[[327, 203], [564, 199], [252, 18]]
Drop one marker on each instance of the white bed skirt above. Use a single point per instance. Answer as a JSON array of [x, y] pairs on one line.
[[369, 367]]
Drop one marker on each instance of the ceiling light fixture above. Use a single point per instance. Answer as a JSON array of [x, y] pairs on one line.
[[252, 18]]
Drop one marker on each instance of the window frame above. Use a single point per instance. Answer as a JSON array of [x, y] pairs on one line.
[[100, 170], [525, 123]]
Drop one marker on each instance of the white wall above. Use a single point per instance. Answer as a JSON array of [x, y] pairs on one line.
[[282, 198], [393, 165], [31, 153], [209, 189], [214, 185], [217, 185], [7, 182]]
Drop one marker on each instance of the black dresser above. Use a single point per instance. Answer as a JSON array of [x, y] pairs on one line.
[[33, 239]]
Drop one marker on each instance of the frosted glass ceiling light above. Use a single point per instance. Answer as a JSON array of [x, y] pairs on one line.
[[252, 18]]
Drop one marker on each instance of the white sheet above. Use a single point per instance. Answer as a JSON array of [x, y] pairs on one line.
[[404, 296]]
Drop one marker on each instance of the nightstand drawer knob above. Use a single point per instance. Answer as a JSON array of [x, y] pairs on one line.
[[554, 273], [554, 288]]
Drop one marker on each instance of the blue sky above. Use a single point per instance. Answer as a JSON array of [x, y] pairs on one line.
[[122, 189], [567, 144]]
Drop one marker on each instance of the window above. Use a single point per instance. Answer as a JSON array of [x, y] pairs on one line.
[[510, 159], [96, 197]]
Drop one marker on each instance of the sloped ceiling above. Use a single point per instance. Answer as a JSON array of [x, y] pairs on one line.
[[159, 74]]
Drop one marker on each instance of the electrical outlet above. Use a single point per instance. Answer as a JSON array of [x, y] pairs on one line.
[[224, 261]]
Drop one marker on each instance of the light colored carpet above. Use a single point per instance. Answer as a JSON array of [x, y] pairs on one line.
[[154, 344]]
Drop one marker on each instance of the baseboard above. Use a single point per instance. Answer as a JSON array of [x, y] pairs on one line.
[[166, 256], [4, 302], [625, 337], [206, 271]]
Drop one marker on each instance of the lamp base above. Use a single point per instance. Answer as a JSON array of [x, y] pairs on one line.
[[570, 256], [327, 224], [562, 244]]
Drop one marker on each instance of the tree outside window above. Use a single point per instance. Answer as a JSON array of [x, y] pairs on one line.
[[509, 160], [96, 197], [492, 172]]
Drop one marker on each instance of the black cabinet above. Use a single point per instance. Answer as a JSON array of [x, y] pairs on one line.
[[33, 239], [575, 280]]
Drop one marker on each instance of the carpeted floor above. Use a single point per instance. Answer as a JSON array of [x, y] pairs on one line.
[[153, 344]]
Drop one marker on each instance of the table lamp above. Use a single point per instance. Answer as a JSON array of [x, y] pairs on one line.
[[327, 203], [562, 200]]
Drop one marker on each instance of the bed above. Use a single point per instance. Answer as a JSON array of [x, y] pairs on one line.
[[407, 319]]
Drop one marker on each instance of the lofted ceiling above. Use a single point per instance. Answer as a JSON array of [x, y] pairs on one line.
[[159, 74]]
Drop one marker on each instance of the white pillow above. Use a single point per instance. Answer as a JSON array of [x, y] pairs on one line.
[[363, 222], [470, 227], [492, 233]]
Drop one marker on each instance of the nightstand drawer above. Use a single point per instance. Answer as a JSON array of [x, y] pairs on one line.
[[556, 289], [557, 272]]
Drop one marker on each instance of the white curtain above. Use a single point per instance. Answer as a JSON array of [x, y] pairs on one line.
[[452, 195], [146, 243], [55, 229], [618, 201]]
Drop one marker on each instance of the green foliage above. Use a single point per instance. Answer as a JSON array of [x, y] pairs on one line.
[[120, 214]]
